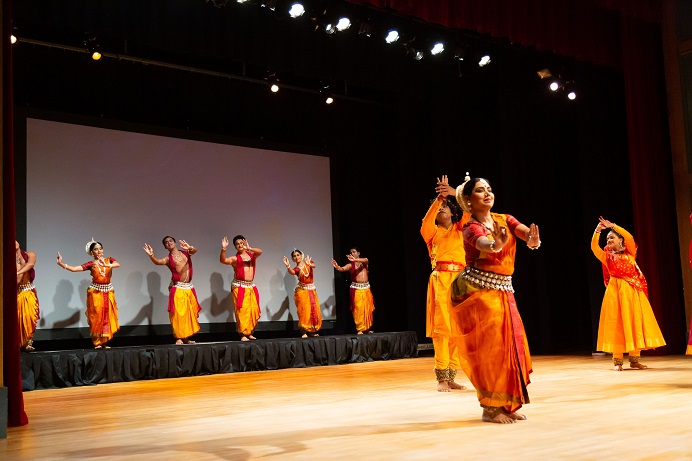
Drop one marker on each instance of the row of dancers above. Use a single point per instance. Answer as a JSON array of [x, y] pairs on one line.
[[183, 305]]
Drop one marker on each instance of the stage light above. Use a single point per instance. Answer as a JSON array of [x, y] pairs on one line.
[[326, 95], [92, 46], [554, 86], [392, 36], [297, 10], [13, 39], [273, 81], [343, 24], [485, 60], [413, 49], [437, 48], [329, 28], [570, 90], [544, 73]]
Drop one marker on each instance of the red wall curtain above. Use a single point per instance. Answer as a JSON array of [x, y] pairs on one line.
[[10, 334]]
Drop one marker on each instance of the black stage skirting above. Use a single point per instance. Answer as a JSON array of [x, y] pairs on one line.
[[56, 369]]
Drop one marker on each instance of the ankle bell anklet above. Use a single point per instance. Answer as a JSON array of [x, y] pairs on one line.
[[491, 411], [442, 375]]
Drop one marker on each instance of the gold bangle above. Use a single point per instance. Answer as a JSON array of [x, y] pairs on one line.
[[492, 247]]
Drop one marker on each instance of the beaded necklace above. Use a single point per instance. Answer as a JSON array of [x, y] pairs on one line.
[[100, 264], [307, 271]]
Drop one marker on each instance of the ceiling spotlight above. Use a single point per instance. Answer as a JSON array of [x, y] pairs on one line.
[[485, 60], [273, 81], [411, 48], [392, 36], [343, 24], [437, 48], [13, 39], [329, 28], [92, 46], [544, 73], [297, 10], [554, 86], [326, 95], [570, 90], [239, 1]]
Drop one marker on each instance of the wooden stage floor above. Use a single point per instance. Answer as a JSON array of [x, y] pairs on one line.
[[384, 410]]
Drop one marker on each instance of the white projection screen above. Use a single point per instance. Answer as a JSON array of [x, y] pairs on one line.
[[126, 189]]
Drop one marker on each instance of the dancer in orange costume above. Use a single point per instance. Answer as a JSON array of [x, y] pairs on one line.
[[627, 322], [245, 295], [305, 294], [362, 302], [486, 323], [102, 309], [441, 229], [183, 306], [27, 298]]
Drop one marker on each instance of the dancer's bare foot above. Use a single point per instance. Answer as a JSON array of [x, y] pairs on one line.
[[251, 337], [453, 385], [244, 338], [98, 347], [305, 335], [517, 416], [443, 386], [188, 341], [637, 365], [499, 418], [360, 332], [29, 348], [179, 342], [617, 368], [315, 334]]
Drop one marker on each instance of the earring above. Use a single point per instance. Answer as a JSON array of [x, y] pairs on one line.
[[468, 202]]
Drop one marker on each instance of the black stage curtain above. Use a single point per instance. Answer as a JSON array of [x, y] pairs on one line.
[[57, 369]]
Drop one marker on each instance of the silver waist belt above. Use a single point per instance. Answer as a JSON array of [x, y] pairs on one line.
[[101, 286], [25, 287], [360, 285], [490, 280]]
